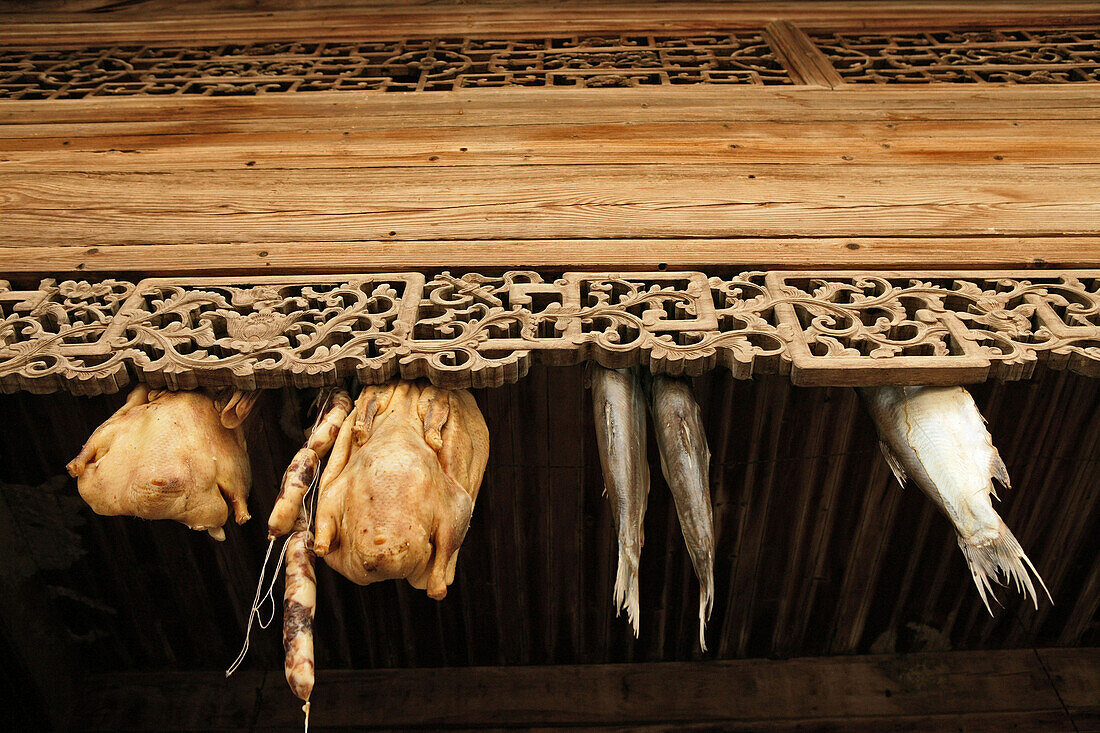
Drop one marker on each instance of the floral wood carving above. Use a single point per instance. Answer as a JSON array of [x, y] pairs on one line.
[[822, 328]]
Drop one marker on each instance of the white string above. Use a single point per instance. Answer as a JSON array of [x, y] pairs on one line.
[[258, 601]]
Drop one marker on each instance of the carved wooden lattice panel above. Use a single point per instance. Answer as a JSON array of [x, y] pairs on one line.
[[267, 332], [831, 328], [406, 65], [58, 336], [997, 56], [593, 60]]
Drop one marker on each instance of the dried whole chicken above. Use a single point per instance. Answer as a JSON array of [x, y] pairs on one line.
[[685, 463], [398, 491], [170, 455], [937, 437], [618, 405]]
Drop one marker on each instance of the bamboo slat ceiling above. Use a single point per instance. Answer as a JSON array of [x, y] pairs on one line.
[[820, 552]]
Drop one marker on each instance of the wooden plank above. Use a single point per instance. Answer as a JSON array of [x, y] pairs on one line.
[[1075, 674], [645, 193], [494, 20], [519, 106], [593, 254], [805, 61], [181, 701], [574, 142], [761, 692], [548, 202], [552, 220]]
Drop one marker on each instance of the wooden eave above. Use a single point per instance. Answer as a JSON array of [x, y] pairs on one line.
[[972, 210]]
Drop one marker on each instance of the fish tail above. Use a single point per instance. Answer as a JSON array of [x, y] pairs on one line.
[[706, 603], [1001, 555], [626, 588]]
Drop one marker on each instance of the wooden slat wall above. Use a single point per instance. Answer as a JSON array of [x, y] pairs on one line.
[[162, 20], [819, 551], [689, 177]]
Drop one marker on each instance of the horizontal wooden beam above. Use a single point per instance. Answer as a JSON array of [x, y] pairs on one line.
[[494, 255], [381, 22], [992, 690], [823, 328], [351, 110], [735, 176]]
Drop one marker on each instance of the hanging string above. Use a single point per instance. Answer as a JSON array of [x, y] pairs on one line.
[[258, 600]]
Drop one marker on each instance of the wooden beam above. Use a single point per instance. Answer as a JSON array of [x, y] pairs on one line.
[[552, 255], [362, 22], [354, 110], [988, 690], [1075, 674], [710, 176], [805, 61]]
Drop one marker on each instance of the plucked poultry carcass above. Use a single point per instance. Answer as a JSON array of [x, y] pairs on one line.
[[618, 406], [937, 437], [170, 455], [398, 491]]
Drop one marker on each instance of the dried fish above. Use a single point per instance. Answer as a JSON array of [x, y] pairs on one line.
[[937, 437], [685, 462], [618, 404]]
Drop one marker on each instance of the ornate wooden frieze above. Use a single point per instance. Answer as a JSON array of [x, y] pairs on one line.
[[597, 60], [974, 57], [412, 65], [823, 328]]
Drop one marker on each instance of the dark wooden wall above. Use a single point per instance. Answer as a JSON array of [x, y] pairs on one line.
[[819, 551]]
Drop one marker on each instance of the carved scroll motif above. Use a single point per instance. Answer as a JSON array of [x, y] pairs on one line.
[[475, 330], [275, 332], [56, 337]]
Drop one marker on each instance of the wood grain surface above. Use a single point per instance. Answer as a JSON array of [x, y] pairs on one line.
[[813, 175], [974, 691]]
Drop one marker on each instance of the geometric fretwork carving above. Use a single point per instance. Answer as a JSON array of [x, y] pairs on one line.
[[996, 56], [409, 65], [1015, 56], [822, 328]]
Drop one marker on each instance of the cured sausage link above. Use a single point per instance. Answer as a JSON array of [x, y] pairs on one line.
[[299, 606], [303, 467]]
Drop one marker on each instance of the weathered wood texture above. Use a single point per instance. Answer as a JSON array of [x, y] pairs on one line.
[[819, 173], [704, 178], [163, 21], [939, 692]]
